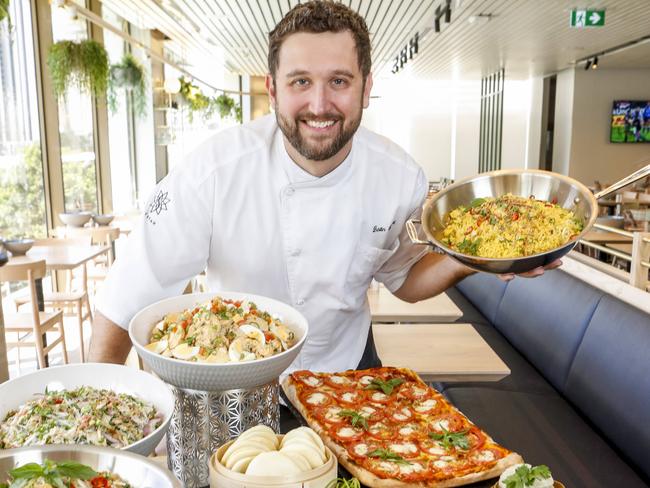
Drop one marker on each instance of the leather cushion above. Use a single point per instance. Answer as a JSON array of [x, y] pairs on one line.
[[609, 380], [545, 319], [484, 291], [545, 429]]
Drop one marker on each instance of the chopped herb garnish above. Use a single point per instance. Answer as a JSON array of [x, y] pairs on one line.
[[468, 246], [525, 476]]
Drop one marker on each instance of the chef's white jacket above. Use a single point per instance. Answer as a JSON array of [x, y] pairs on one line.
[[260, 224]]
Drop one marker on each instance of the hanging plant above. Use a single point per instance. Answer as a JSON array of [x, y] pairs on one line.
[[4, 12], [128, 75], [197, 102], [82, 64]]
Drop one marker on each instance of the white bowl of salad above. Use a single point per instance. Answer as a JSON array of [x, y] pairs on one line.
[[81, 467], [218, 341], [92, 404]]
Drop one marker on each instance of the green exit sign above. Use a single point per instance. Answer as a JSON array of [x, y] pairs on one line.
[[587, 18]]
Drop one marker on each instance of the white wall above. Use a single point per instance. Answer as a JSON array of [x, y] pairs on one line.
[[563, 124], [438, 122], [593, 157]]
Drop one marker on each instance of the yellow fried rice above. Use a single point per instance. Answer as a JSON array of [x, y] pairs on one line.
[[509, 226]]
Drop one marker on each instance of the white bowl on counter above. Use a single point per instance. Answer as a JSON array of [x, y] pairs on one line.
[[137, 470], [118, 378], [102, 219], [78, 219], [222, 376]]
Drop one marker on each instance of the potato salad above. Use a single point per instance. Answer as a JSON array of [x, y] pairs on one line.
[[221, 331], [82, 416]]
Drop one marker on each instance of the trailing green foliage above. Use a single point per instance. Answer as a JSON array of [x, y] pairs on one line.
[[128, 75], [4, 12], [83, 64], [198, 102]]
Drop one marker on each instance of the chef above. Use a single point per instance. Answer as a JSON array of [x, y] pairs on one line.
[[303, 205]]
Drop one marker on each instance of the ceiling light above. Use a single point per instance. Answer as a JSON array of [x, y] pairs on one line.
[[594, 65], [587, 64], [479, 19]]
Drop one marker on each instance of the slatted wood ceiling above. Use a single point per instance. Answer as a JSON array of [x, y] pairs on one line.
[[526, 37]]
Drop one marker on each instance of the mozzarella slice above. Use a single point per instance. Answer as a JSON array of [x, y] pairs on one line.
[[404, 448], [441, 424], [347, 432], [426, 405], [366, 380], [316, 398]]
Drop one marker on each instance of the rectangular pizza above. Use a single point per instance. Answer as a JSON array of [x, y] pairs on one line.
[[389, 429]]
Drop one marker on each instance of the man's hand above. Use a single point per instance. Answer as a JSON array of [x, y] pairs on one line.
[[109, 343], [532, 273]]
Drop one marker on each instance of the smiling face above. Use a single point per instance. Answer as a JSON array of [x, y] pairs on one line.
[[319, 95]]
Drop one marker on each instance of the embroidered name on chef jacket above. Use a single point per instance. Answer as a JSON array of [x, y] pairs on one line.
[[376, 228]]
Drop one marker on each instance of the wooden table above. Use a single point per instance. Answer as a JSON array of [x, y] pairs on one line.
[[57, 258], [621, 246], [601, 237], [439, 352], [386, 307]]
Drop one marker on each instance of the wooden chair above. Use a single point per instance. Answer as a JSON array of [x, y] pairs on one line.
[[102, 235], [35, 322], [72, 301]]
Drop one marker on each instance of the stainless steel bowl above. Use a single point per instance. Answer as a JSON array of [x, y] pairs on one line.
[[137, 470], [542, 185]]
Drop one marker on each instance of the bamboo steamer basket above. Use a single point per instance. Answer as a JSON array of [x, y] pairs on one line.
[[221, 477]]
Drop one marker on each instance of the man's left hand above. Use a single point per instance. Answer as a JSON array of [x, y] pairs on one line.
[[532, 273]]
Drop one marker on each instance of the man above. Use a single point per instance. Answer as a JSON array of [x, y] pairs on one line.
[[303, 206]]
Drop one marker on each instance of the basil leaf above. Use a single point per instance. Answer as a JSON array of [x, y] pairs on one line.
[[388, 455], [356, 419], [476, 202], [76, 470], [385, 386], [27, 471], [449, 440]]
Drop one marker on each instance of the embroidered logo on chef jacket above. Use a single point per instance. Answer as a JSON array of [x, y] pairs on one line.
[[156, 206]]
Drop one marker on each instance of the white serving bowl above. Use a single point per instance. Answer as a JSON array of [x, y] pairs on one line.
[[75, 219], [137, 470], [19, 247], [118, 378], [215, 377], [103, 219]]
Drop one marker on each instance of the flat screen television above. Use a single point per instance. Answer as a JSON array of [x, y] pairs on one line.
[[630, 121]]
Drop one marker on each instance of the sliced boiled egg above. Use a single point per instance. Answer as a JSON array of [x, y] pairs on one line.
[[252, 332], [185, 351], [237, 353], [158, 346]]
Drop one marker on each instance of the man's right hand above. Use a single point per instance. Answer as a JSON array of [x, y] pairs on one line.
[[109, 342]]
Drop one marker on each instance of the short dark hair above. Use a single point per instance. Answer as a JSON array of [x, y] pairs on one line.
[[321, 16]]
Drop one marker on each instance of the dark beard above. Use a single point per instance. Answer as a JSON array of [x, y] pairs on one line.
[[291, 131]]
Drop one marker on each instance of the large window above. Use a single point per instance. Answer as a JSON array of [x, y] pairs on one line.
[[76, 125], [120, 125], [22, 198]]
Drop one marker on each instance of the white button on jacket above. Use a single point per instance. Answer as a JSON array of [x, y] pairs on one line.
[[260, 224]]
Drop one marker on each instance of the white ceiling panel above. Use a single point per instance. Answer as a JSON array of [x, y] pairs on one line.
[[526, 37]]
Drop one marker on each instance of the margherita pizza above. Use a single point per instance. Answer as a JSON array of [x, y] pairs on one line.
[[389, 429]]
